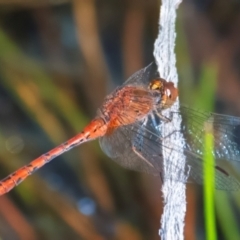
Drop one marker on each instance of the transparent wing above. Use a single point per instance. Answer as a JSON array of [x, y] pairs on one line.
[[225, 131], [143, 76], [193, 166], [119, 146], [139, 146]]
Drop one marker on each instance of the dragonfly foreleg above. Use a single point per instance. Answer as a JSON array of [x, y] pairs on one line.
[[163, 117]]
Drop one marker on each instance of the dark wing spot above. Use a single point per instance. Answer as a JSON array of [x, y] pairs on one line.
[[222, 170]]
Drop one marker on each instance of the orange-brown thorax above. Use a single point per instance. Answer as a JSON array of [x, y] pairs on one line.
[[131, 103], [126, 106], [167, 91]]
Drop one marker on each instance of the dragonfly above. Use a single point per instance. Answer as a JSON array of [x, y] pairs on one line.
[[128, 127]]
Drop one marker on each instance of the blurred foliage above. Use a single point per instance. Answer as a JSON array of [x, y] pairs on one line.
[[58, 59], [208, 72]]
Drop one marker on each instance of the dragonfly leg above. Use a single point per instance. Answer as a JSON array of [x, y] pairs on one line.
[[164, 118]]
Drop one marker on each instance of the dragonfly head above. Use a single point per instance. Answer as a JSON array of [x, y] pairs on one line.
[[167, 91]]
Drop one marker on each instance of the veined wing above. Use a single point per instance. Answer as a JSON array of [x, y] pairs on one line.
[[123, 147], [225, 130], [143, 77], [193, 166], [139, 147]]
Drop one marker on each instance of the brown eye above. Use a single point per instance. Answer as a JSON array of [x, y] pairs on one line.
[[168, 93]]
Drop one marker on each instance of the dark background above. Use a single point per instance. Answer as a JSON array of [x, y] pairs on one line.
[[58, 59]]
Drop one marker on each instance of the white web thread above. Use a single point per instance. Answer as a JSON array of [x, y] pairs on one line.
[[174, 196]]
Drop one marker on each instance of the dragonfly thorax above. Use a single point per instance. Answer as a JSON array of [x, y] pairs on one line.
[[127, 105]]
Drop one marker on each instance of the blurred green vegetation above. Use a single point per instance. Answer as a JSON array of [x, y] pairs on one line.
[[208, 91], [57, 62]]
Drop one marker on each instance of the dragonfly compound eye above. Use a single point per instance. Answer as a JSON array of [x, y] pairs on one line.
[[156, 84], [168, 93]]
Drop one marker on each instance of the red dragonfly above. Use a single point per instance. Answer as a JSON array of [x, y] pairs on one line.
[[128, 125]]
